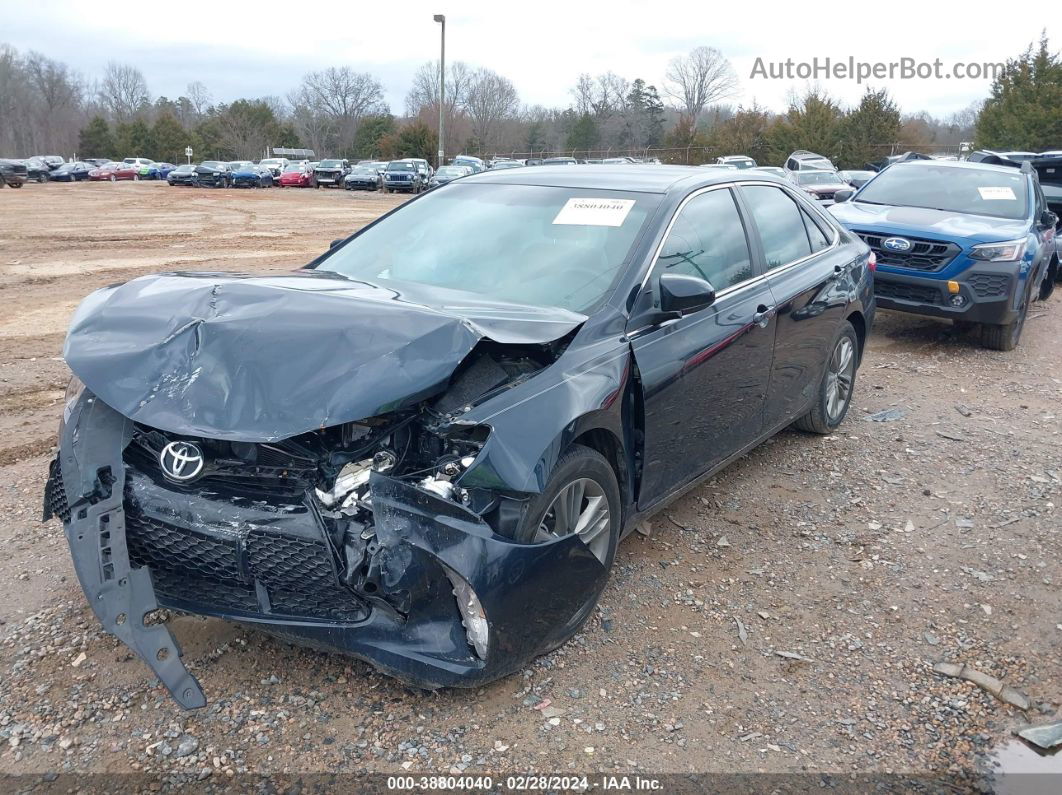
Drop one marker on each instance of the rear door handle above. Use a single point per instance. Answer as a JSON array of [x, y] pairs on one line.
[[763, 315]]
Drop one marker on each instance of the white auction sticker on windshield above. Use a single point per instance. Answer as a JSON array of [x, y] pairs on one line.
[[594, 212], [988, 194]]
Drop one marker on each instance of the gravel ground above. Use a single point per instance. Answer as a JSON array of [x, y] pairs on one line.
[[784, 617]]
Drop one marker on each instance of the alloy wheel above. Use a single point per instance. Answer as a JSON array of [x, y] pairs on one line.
[[839, 377], [581, 507]]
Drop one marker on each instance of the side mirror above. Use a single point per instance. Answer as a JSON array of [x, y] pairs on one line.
[[843, 195], [1048, 219], [680, 293], [335, 242]]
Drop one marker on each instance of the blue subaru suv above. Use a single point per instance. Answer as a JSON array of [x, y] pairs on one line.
[[966, 241]]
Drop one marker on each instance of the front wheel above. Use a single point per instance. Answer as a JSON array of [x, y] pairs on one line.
[[1006, 337], [838, 383]]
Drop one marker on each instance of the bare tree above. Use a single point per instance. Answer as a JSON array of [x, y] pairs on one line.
[[200, 98], [313, 125], [345, 97], [123, 91], [699, 79], [490, 98], [583, 92], [423, 95]]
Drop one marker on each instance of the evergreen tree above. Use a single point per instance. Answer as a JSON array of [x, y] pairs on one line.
[[168, 139], [1024, 110], [866, 130], [96, 140], [583, 135]]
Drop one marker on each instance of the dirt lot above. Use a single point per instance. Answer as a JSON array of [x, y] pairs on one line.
[[873, 553]]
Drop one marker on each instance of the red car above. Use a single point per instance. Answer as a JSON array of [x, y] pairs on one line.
[[296, 176], [115, 172]]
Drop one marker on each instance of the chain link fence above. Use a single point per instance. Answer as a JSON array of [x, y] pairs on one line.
[[695, 155]]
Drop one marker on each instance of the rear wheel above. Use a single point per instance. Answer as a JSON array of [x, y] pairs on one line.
[[1005, 337], [838, 383]]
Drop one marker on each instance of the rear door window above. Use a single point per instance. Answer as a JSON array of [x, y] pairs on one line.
[[780, 223]]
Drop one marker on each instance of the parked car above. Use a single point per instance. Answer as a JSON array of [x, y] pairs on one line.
[[114, 172], [967, 241], [774, 171], [856, 178], [615, 161], [12, 173], [330, 173], [138, 161], [363, 177], [246, 174], [52, 161], [155, 170], [476, 164], [37, 170], [738, 161], [404, 176], [439, 447], [424, 168], [450, 173], [719, 166], [906, 157], [803, 160], [1049, 171], [560, 161], [72, 172], [296, 175], [533, 161], [98, 161], [183, 174], [821, 185], [213, 174], [276, 165], [503, 164]]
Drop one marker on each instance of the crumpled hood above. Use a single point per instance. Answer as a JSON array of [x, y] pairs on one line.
[[245, 358], [917, 221]]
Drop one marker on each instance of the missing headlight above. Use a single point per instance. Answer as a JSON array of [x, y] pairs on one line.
[[472, 615]]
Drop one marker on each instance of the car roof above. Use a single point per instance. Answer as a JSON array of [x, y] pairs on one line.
[[630, 177]]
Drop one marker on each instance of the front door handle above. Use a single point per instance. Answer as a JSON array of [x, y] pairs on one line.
[[763, 315]]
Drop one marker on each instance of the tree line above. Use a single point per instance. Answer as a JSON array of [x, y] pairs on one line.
[[48, 108]]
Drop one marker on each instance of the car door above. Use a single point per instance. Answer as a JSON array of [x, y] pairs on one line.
[[704, 375], [804, 268]]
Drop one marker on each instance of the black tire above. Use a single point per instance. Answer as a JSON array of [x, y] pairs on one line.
[[1047, 286], [42, 178], [1005, 337], [821, 419], [577, 463]]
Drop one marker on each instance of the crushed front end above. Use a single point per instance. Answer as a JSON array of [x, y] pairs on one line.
[[357, 538]]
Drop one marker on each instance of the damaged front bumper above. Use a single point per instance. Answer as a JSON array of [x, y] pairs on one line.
[[386, 592]]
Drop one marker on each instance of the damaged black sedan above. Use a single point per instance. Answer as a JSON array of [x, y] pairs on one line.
[[423, 448]]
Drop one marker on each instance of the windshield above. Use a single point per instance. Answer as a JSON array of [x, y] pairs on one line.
[[1000, 194], [450, 171], [520, 244], [241, 165], [294, 168], [184, 168], [330, 164], [399, 166], [270, 162], [816, 178], [362, 170], [212, 164]]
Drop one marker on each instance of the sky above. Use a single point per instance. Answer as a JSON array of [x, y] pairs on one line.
[[250, 49]]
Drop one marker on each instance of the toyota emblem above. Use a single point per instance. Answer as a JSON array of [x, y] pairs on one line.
[[181, 461]]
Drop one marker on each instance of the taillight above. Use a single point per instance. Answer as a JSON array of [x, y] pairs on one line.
[[872, 262]]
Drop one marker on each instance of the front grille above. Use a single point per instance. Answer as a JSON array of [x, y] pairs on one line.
[[173, 586], [163, 546], [906, 292], [924, 255], [284, 469], [55, 503], [987, 285]]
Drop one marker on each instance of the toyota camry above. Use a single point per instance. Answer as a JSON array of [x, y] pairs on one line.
[[423, 448]]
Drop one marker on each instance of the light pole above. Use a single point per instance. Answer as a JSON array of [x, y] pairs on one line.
[[442, 85]]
